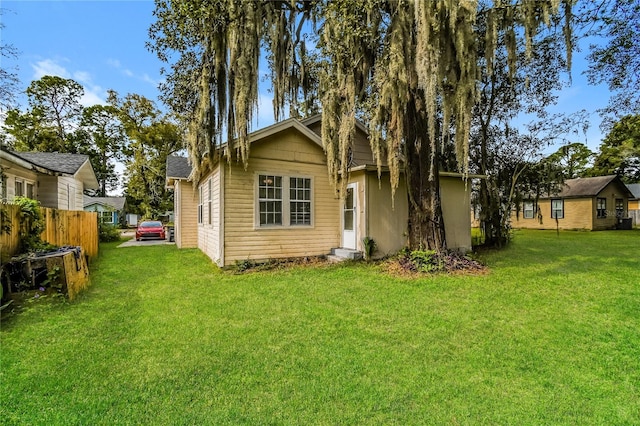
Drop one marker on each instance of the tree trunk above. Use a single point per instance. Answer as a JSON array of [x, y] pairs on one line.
[[426, 224]]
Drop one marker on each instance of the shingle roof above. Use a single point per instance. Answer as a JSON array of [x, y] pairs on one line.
[[586, 187], [178, 167], [54, 161], [116, 203], [635, 189]]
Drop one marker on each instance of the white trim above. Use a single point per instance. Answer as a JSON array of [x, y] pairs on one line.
[[286, 201], [221, 216]]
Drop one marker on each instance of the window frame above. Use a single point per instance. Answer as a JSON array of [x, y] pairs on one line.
[[601, 209], [103, 214], [619, 206], [561, 209], [21, 192], [532, 210], [285, 201]]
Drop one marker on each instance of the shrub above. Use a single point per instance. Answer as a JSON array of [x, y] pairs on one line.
[[369, 247], [32, 225], [108, 232]]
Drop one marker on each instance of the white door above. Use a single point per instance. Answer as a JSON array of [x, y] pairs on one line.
[[349, 215]]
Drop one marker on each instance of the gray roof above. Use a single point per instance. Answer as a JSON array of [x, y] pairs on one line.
[[54, 161], [117, 203], [635, 189], [178, 167], [587, 187]]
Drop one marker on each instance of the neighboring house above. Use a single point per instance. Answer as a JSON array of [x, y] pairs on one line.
[[634, 203], [185, 203], [110, 209], [594, 203], [283, 204], [57, 180]]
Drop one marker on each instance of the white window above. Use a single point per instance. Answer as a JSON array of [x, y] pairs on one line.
[[106, 217], [528, 209], [601, 208], [270, 199], [299, 201], [557, 208], [284, 201]]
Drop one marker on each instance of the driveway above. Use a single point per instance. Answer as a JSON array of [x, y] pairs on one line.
[[133, 243]]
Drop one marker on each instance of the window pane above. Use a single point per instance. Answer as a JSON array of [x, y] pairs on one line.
[[348, 220], [300, 204]]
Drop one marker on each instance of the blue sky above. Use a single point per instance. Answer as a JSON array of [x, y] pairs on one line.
[[101, 44]]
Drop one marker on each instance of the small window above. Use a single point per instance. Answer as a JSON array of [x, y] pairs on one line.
[[4, 188], [30, 190], [106, 217], [528, 209], [557, 208], [601, 208], [300, 201], [200, 204], [19, 188], [270, 199], [619, 208]]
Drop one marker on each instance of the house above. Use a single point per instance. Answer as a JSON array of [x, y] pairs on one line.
[[634, 203], [57, 180], [110, 210], [283, 204], [593, 203]]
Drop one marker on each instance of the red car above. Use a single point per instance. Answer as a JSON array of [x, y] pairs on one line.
[[150, 229]]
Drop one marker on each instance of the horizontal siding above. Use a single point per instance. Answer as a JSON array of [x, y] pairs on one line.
[[187, 234], [209, 231], [577, 215], [242, 240]]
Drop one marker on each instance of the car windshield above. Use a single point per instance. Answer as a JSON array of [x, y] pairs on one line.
[[150, 224]]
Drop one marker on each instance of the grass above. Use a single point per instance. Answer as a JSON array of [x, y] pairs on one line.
[[550, 336]]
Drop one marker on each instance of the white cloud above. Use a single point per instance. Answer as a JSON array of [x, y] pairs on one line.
[[93, 94], [48, 67]]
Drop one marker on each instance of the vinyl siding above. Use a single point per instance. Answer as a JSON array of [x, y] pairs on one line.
[[579, 213], [456, 204], [286, 154], [186, 215], [209, 230]]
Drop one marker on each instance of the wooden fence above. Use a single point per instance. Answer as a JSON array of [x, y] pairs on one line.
[[63, 228], [635, 216]]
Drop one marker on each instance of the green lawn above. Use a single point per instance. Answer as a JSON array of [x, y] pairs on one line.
[[550, 336]]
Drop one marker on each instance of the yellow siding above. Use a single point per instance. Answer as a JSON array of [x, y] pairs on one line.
[[290, 154], [387, 219], [186, 215], [209, 230], [456, 204], [634, 205], [578, 214]]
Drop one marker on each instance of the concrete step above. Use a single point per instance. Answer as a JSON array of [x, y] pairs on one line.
[[346, 253]]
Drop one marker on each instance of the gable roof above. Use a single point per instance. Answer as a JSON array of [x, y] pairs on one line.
[[117, 203], [589, 187], [55, 161], [635, 190], [76, 165], [178, 167]]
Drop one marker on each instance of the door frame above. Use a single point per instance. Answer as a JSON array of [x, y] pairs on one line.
[[349, 238]]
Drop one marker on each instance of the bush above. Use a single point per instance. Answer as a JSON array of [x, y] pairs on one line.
[[108, 232]]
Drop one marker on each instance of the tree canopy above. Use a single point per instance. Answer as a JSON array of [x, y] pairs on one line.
[[410, 68]]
